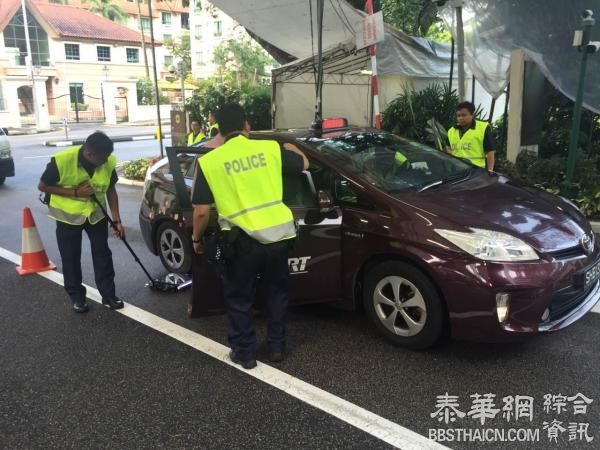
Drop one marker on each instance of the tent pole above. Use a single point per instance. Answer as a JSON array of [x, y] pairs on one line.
[[374, 77], [451, 66], [319, 105], [460, 48]]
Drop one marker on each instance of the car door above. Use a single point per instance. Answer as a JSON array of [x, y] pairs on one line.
[[315, 258]]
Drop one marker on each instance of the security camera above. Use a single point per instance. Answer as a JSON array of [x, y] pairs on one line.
[[592, 47], [587, 14]]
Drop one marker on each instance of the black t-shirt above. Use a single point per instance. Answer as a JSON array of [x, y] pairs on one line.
[[213, 132], [488, 139], [51, 176], [290, 163]]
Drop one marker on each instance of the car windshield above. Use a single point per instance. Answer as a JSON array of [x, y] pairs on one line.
[[391, 163]]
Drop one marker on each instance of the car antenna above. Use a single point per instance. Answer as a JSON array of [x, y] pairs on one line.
[[317, 125]]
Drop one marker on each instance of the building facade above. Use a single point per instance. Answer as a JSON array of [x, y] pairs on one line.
[[210, 27], [79, 72]]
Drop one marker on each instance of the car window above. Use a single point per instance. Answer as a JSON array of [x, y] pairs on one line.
[[389, 162], [342, 189], [186, 164], [297, 191]]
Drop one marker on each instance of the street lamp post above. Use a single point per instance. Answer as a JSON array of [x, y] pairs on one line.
[[582, 40]]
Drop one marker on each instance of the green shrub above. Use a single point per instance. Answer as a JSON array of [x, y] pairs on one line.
[[210, 97], [256, 100], [549, 174], [136, 169]]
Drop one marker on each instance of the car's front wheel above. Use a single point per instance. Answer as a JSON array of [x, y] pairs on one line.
[[174, 248], [404, 305]]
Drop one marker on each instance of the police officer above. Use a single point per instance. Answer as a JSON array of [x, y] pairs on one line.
[[71, 178], [196, 135], [472, 139], [243, 178], [213, 125]]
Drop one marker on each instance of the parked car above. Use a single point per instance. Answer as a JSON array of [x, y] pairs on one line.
[[7, 165], [426, 242]]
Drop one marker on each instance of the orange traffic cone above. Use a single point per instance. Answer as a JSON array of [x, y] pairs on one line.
[[33, 255]]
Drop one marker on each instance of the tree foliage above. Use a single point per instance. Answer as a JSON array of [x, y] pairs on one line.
[[414, 17], [146, 92], [108, 9], [180, 48], [243, 60]]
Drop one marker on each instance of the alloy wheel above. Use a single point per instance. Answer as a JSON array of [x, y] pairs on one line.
[[399, 306], [172, 249]]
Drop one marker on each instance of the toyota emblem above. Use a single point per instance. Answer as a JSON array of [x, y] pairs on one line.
[[587, 243]]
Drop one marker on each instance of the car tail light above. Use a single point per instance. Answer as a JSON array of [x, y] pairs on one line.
[[502, 305]]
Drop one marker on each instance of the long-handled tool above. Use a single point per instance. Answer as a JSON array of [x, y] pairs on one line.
[[154, 284], [437, 136]]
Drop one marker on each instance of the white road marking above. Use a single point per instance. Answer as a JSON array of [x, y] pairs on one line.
[[358, 417]]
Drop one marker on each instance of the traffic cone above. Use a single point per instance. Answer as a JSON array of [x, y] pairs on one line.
[[33, 255]]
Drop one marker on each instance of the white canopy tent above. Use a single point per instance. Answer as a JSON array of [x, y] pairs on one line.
[[288, 29]]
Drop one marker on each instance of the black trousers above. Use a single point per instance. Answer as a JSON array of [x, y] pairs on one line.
[[69, 245], [241, 288]]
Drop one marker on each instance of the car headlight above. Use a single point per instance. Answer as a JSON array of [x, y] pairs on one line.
[[490, 245], [4, 154]]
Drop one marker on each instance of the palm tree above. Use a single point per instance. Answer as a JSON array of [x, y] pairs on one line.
[[107, 9]]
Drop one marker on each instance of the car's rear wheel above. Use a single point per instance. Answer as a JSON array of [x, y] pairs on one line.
[[174, 248], [404, 305]]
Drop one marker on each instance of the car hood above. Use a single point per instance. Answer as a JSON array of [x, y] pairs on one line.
[[545, 221]]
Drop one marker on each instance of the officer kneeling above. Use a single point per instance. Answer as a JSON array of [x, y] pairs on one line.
[[243, 178]]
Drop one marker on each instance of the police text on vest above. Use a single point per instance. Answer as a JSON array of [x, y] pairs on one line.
[[245, 164]]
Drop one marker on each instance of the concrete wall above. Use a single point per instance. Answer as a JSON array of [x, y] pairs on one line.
[[139, 113]]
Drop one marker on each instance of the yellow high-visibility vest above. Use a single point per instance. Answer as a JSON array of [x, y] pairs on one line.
[[76, 210], [470, 146], [245, 178], [195, 139], [212, 127]]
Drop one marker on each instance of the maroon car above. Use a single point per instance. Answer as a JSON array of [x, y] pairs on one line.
[[425, 242]]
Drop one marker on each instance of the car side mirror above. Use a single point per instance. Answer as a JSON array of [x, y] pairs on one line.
[[5, 131], [325, 201]]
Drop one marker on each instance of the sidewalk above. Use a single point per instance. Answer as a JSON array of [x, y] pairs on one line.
[[73, 126], [144, 137]]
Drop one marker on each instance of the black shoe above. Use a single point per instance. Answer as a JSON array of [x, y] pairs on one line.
[[113, 303], [80, 306], [250, 364], [276, 357]]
